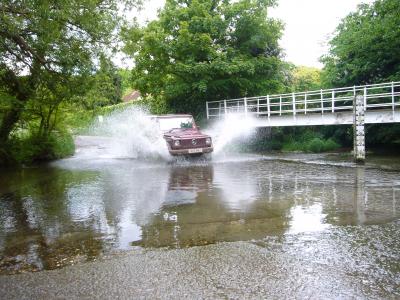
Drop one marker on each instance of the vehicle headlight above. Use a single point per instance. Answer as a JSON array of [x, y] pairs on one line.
[[208, 141], [177, 143]]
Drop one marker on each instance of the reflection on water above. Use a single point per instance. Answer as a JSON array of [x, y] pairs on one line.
[[307, 220], [76, 211]]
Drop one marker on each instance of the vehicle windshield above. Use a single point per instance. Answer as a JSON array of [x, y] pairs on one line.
[[179, 122]]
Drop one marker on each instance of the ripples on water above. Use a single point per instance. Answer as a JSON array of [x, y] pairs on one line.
[[78, 209]]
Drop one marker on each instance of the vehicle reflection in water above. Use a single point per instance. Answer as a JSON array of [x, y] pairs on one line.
[[54, 216]]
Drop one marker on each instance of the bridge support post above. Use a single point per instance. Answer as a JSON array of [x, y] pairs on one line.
[[360, 196], [359, 129]]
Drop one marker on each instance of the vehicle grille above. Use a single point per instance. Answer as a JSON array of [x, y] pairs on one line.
[[187, 143]]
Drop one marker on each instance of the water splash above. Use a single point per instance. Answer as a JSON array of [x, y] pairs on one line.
[[128, 133], [226, 131], [131, 133]]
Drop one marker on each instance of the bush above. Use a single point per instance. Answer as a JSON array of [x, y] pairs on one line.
[[309, 141], [330, 145], [32, 148], [62, 145], [304, 139], [316, 145], [293, 146]]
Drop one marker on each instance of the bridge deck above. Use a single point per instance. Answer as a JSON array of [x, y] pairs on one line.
[[323, 107], [339, 118]]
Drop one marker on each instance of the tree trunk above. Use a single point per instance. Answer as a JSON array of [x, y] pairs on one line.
[[8, 123], [21, 89]]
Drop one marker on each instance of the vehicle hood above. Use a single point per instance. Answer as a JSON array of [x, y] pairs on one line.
[[185, 133]]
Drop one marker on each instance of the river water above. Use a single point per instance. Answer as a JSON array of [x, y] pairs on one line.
[[80, 209]]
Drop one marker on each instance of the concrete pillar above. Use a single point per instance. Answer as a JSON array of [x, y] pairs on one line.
[[359, 129], [360, 196]]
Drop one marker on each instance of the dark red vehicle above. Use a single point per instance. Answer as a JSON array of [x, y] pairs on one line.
[[182, 135]]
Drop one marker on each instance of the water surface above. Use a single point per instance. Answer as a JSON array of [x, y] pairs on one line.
[[78, 209]]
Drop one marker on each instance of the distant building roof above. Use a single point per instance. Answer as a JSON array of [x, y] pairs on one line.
[[132, 96]]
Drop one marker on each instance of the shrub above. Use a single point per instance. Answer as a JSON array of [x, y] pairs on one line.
[[309, 142], [316, 145], [330, 145], [62, 145], [31, 148]]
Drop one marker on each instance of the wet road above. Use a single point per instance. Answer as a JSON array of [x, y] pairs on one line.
[[242, 226], [318, 266]]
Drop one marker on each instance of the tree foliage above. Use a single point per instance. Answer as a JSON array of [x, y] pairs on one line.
[[305, 79], [366, 46], [104, 87], [125, 75], [201, 50], [48, 46], [366, 49]]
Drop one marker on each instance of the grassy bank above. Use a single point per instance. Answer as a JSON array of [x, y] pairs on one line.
[[26, 148]]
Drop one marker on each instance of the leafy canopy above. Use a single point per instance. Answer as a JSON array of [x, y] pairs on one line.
[[366, 46], [366, 49], [45, 45], [201, 50], [305, 78], [58, 36]]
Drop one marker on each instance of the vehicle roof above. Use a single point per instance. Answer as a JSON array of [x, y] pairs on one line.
[[171, 116]]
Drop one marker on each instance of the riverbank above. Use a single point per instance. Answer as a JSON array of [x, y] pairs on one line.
[[27, 147]]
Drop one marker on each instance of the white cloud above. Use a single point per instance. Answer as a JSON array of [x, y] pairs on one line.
[[308, 26]]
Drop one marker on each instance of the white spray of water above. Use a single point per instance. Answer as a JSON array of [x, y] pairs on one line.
[[232, 127], [129, 133]]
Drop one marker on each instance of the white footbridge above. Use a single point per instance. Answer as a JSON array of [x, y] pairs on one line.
[[357, 105]]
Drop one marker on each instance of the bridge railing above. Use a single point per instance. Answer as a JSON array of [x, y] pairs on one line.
[[376, 96]]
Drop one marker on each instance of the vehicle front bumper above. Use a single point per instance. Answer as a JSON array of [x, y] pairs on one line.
[[188, 152]]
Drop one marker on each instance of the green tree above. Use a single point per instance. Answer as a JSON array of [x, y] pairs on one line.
[[41, 113], [203, 50], [366, 49], [104, 87], [366, 46], [48, 44], [305, 79], [125, 75]]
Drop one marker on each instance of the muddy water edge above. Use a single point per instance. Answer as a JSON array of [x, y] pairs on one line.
[[308, 225]]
